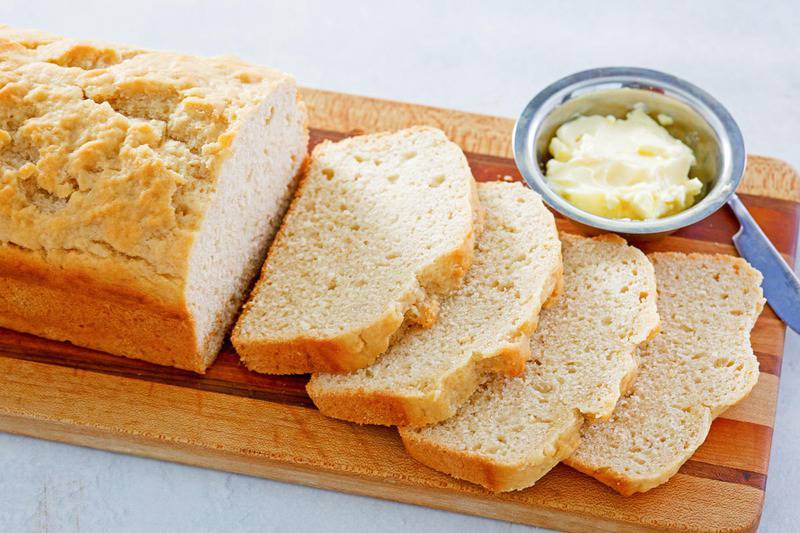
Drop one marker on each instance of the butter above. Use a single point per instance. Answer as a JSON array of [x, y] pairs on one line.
[[665, 120], [628, 168]]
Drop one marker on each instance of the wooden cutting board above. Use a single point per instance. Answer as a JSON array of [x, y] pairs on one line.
[[234, 420]]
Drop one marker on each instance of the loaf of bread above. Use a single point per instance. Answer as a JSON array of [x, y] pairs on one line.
[[139, 191], [483, 327], [699, 365], [382, 225], [514, 430]]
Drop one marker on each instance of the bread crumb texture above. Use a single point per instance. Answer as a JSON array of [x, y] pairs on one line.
[[381, 227], [108, 151], [484, 326], [514, 430], [700, 364]]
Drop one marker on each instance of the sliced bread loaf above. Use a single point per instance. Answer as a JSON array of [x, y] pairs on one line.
[[513, 430], [699, 365], [381, 225], [484, 326], [139, 192]]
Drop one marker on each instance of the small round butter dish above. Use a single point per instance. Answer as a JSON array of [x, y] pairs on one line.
[[695, 118]]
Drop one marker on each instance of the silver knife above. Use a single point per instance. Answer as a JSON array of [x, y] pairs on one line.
[[781, 286]]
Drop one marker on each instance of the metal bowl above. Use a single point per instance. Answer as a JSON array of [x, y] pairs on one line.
[[700, 122]]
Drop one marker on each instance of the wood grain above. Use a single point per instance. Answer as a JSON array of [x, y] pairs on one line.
[[234, 420], [299, 445]]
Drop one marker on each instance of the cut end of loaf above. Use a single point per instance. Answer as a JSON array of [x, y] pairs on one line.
[[255, 187]]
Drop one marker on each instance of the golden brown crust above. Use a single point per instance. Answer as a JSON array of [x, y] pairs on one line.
[[398, 409], [384, 408], [110, 158], [344, 353], [384, 405], [559, 286], [303, 355], [608, 477], [113, 152], [354, 406], [103, 279], [39, 299], [493, 475], [626, 485]]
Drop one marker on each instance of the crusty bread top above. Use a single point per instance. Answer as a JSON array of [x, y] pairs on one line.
[[487, 322], [513, 430], [698, 365], [381, 225], [111, 153]]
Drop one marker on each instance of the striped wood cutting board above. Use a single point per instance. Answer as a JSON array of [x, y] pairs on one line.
[[238, 421]]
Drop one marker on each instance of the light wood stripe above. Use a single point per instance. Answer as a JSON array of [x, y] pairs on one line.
[[340, 112], [687, 502], [751, 449], [759, 406]]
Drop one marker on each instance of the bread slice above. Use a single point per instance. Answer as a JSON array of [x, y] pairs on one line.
[[513, 430], [381, 226], [699, 365], [139, 192], [484, 326]]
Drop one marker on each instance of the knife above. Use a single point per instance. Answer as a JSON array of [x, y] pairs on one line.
[[781, 286]]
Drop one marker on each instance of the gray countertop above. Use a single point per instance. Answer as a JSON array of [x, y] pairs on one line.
[[488, 57]]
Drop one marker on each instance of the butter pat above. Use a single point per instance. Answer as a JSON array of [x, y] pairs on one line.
[[622, 168]]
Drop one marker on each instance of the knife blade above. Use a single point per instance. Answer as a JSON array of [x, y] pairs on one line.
[[781, 285]]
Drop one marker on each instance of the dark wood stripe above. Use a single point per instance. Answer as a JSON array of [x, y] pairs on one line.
[[771, 364], [226, 375], [724, 473], [316, 136]]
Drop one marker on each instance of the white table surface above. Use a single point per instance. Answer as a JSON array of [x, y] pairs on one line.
[[488, 57]]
